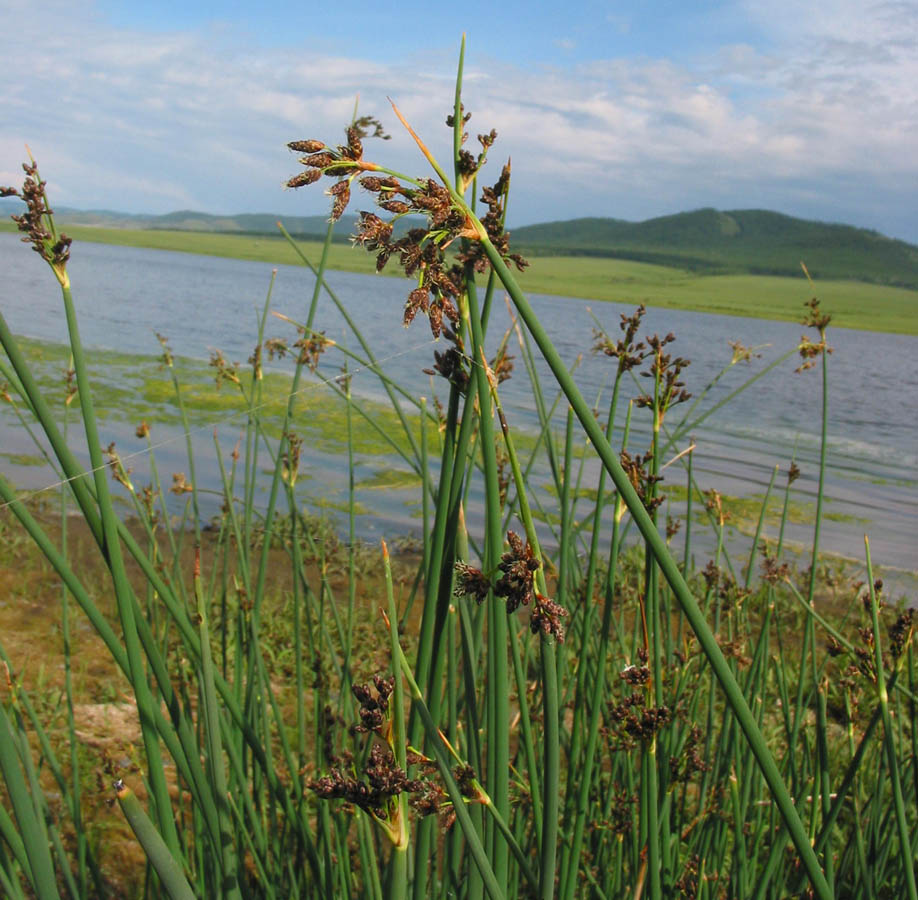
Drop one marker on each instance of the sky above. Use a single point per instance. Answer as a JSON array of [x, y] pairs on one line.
[[629, 110]]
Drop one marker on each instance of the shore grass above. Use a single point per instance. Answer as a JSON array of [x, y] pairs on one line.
[[854, 304], [99, 692]]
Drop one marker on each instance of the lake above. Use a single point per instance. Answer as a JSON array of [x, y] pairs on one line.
[[125, 295]]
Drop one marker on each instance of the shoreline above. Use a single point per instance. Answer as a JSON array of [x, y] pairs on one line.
[[853, 305]]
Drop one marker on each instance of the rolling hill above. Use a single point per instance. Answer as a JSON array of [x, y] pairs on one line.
[[751, 241], [747, 241], [189, 220]]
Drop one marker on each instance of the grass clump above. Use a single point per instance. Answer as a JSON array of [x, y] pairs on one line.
[[554, 709]]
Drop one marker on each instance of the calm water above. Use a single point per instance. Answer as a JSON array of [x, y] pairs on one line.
[[124, 295]]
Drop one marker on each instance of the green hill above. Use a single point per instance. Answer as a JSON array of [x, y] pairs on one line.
[[706, 241], [751, 241], [246, 223], [190, 220]]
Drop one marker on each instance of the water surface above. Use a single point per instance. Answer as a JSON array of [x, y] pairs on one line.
[[125, 295]]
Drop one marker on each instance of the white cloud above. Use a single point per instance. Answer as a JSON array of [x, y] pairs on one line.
[[140, 121]]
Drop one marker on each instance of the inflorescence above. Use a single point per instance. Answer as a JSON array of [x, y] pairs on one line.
[[375, 785], [36, 224], [515, 584], [421, 251]]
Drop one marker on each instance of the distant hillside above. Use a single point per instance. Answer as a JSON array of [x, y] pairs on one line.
[[752, 241], [749, 240], [189, 220]]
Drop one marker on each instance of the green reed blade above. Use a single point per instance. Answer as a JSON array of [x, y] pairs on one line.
[[549, 671], [443, 760], [215, 766], [171, 877], [670, 570], [905, 843], [40, 870], [398, 862], [13, 838], [753, 550], [526, 734], [497, 707]]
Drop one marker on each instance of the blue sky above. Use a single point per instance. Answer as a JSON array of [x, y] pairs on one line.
[[628, 110]]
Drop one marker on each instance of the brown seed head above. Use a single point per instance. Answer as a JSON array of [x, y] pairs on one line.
[[309, 146]]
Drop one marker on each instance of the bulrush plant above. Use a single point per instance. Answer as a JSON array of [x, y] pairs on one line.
[[534, 711]]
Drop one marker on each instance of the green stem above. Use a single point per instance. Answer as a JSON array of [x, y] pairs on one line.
[[732, 690], [170, 874], [905, 838]]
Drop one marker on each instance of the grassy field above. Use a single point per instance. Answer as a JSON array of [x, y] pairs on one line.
[[852, 304]]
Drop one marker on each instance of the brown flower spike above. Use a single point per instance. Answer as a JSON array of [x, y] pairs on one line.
[[36, 223], [420, 251]]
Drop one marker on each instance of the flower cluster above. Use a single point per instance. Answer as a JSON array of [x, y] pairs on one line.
[[772, 571], [634, 721], [628, 353], [376, 785], [495, 198], [311, 347], [642, 480], [432, 799], [420, 251], [343, 162], [450, 363], [119, 472], [468, 165], [635, 675], [517, 568], [384, 781], [685, 764], [865, 656], [718, 581], [290, 460], [624, 803], [714, 504], [501, 367], [515, 584], [374, 706], [900, 633], [226, 371], [666, 372], [471, 583], [546, 617], [809, 350], [36, 224], [742, 353]]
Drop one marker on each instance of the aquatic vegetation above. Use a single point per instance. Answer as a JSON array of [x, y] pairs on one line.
[[542, 707]]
